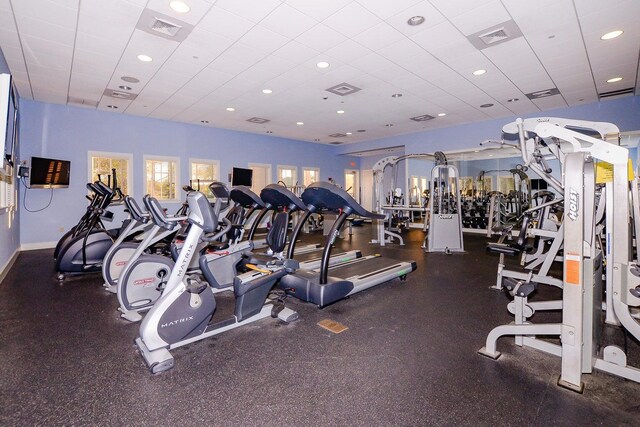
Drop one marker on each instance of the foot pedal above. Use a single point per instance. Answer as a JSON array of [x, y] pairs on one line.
[[287, 315]]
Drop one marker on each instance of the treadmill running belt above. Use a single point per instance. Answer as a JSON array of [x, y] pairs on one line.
[[363, 268]]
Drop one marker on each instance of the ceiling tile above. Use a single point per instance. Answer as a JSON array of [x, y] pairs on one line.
[[319, 10], [264, 39], [321, 38], [484, 16], [379, 36], [287, 21], [224, 22], [348, 51], [384, 9], [295, 52], [352, 20], [253, 10]]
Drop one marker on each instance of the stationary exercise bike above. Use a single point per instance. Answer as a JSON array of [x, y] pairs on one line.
[[184, 312], [125, 250], [144, 276]]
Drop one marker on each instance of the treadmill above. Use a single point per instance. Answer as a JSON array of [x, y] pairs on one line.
[[327, 284], [278, 198]]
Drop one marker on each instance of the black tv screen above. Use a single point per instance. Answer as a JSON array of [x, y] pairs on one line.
[[46, 173], [240, 176]]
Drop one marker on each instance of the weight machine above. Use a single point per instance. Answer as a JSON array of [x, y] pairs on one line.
[[579, 331]]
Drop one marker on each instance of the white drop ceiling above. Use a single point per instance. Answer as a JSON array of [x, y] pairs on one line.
[[70, 51]]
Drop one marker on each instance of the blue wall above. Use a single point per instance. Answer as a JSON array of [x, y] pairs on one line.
[[624, 112], [9, 220], [69, 133]]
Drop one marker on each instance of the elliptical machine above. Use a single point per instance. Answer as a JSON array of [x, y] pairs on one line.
[[184, 312], [83, 250]]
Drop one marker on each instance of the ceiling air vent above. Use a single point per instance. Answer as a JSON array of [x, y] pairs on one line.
[[165, 27], [422, 118], [616, 93], [337, 135], [495, 35], [258, 120], [120, 94], [81, 102], [543, 93], [161, 25], [336, 143], [343, 89]]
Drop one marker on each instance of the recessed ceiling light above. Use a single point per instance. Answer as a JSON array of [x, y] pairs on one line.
[[476, 151], [269, 131], [389, 125], [490, 155], [415, 20], [479, 72], [611, 35], [316, 139], [340, 111], [112, 106], [486, 105], [130, 79], [204, 121], [614, 80], [348, 133], [231, 109], [442, 114], [299, 123], [322, 64], [145, 58], [513, 99], [179, 6], [396, 95], [267, 91], [123, 87]]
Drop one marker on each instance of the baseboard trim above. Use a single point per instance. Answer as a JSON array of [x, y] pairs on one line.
[[9, 264], [36, 246]]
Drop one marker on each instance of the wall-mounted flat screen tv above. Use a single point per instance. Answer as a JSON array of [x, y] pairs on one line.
[[49, 173], [240, 176], [8, 119]]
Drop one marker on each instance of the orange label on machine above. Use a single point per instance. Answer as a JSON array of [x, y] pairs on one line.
[[572, 269]]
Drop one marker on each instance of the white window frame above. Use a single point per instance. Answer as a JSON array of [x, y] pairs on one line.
[[147, 157], [214, 163], [289, 167], [120, 156], [306, 168]]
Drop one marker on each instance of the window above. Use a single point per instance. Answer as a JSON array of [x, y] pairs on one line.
[[203, 173], [485, 186], [506, 184], [466, 186], [162, 177], [288, 175], [414, 191], [310, 175], [102, 164], [7, 189], [352, 186], [261, 176]]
